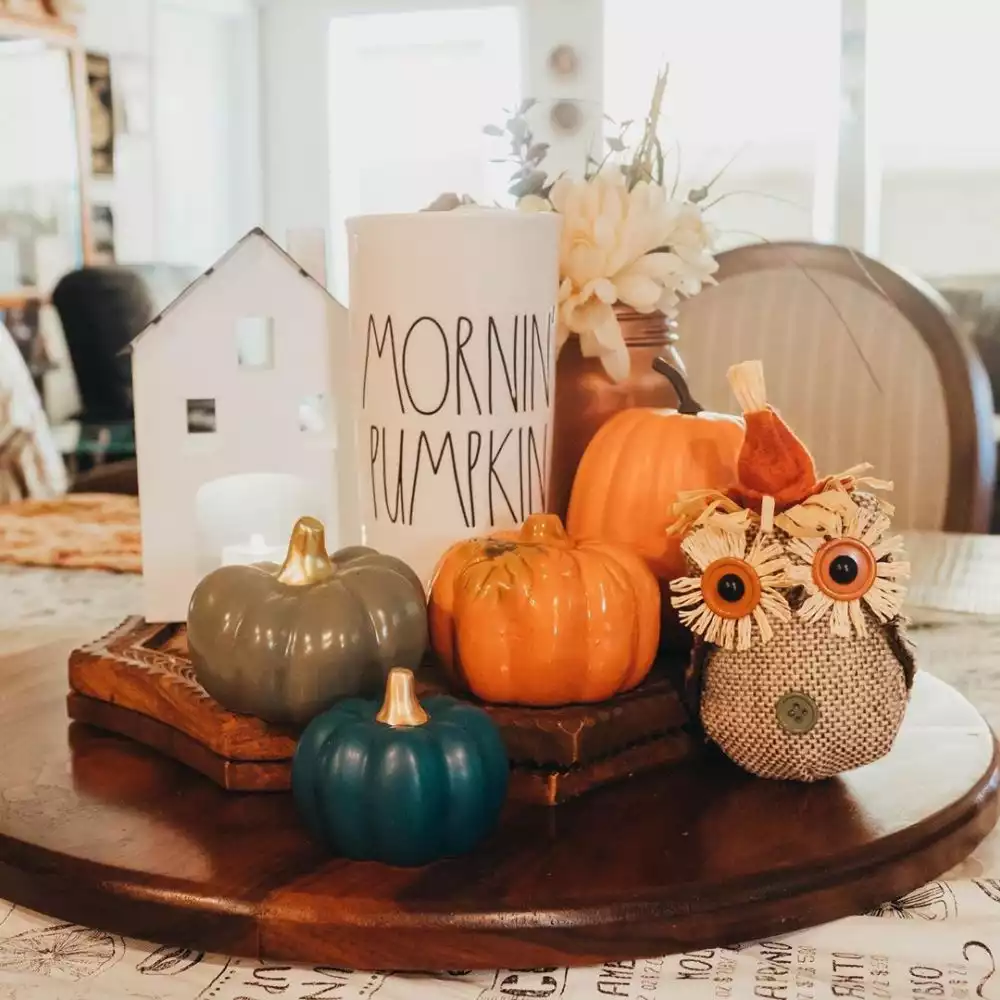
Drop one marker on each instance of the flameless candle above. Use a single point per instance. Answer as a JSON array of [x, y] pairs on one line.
[[254, 551]]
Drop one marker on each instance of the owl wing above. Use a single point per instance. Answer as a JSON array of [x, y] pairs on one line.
[[902, 646], [693, 673]]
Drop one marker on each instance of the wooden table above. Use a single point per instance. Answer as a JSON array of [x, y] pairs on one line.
[[100, 831]]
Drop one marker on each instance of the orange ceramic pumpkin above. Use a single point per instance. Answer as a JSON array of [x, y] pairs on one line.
[[636, 465], [531, 617]]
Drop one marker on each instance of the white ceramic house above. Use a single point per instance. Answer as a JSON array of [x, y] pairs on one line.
[[234, 387]]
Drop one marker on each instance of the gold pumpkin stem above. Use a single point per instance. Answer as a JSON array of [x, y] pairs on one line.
[[307, 560], [401, 707]]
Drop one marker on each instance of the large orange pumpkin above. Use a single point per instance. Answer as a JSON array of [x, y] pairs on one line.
[[531, 617], [636, 465]]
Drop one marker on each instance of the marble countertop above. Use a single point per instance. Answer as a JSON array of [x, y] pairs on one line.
[[43, 605]]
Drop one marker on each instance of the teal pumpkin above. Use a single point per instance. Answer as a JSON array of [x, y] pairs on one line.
[[404, 784]]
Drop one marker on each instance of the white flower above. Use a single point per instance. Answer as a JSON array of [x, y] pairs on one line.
[[692, 240], [618, 245]]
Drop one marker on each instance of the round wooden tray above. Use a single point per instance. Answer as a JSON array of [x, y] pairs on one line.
[[101, 831]]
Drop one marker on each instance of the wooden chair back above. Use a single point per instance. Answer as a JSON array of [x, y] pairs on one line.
[[865, 364]]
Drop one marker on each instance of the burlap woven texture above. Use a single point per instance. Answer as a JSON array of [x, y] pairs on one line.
[[856, 684]]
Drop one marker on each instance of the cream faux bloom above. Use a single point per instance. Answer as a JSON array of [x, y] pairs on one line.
[[612, 250]]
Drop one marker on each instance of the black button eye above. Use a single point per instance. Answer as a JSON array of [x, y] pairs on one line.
[[731, 588], [843, 570]]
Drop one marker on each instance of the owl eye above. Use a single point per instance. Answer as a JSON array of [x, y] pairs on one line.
[[844, 569], [857, 574], [730, 587], [736, 594]]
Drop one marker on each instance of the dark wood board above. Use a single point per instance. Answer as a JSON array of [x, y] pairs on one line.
[[139, 681], [548, 786], [145, 668], [234, 775], [97, 829]]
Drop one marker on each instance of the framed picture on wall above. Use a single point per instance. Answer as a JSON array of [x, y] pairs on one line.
[[102, 114], [103, 233]]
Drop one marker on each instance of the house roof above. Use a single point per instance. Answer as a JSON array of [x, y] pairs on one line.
[[254, 233]]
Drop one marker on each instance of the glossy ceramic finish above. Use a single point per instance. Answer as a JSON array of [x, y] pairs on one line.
[[531, 617], [586, 398], [426, 783], [284, 651]]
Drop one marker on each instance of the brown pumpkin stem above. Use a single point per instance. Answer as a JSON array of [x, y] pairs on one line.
[[686, 403], [307, 560], [401, 707], [493, 549]]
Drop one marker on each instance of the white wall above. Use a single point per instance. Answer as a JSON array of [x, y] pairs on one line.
[[941, 223], [294, 47], [188, 186], [295, 71]]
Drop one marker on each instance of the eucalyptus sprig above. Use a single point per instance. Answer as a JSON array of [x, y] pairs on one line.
[[525, 153], [647, 161]]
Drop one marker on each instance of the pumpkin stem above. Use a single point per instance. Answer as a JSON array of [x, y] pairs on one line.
[[401, 707], [307, 560], [546, 528], [686, 403], [493, 548]]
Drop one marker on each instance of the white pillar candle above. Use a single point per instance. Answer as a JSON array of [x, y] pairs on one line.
[[452, 374], [254, 551]]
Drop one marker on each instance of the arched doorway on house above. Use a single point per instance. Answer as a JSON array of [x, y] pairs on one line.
[[249, 517]]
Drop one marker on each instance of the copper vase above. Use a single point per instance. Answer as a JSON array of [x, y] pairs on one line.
[[586, 396]]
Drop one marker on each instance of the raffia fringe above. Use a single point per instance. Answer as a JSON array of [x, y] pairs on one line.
[[694, 508], [815, 516]]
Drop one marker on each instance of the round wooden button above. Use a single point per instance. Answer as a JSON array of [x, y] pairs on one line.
[[797, 713]]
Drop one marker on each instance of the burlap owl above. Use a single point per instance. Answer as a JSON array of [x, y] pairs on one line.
[[801, 667]]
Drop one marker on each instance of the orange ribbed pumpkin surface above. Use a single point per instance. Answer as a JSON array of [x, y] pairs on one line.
[[634, 468], [531, 617]]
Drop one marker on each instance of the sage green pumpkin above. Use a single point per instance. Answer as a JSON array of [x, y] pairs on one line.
[[284, 643], [404, 785]]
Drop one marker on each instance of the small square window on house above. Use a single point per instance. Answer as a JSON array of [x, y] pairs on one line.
[[201, 416], [312, 413], [255, 342]]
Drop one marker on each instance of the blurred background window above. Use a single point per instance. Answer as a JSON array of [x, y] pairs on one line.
[[409, 96], [935, 139], [753, 92]]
